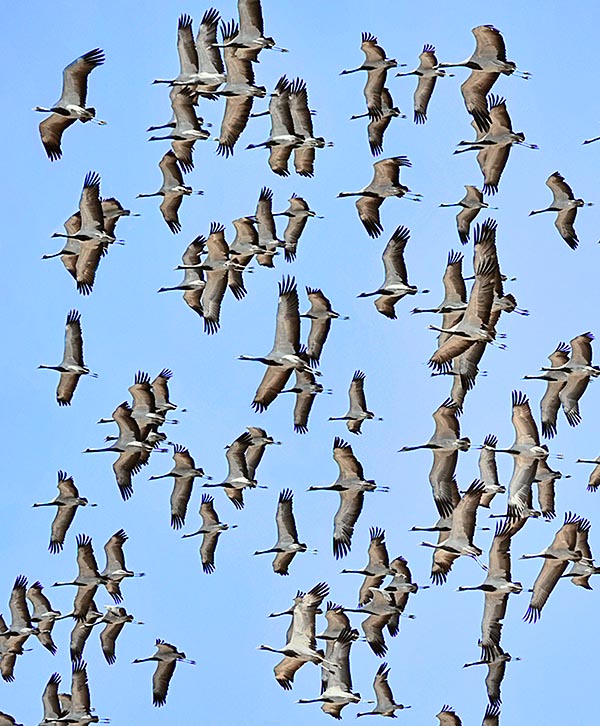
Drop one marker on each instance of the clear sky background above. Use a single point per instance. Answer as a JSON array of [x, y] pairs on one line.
[[220, 619]]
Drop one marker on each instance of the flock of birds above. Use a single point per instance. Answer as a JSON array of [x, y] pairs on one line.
[[211, 67]]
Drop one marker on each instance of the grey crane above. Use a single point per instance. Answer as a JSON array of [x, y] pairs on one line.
[[306, 389], [379, 122], [460, 538], [526, 452], [320, 315], [488, 470], [556, 557], [400, 588], [494, 145], [445, 444], [288, 543], [385, 183], [184, 472], [255, 451], [80, 710], [336, 681], [556, 381], [237, 475], [473, 325], [82, 631], [143, 409], [66, 502], [487, 62], [115, 570], [187, 129], [297, 213], [497, 586], [300, 638], [351, 485], [88, 577], [211, 529], [455, 293], [52, 708], [193, 282], [91, 215], [583, 569], [71, 105], [265, 227], [357, 411], [566, 205], [218, 264], [200, 62], [172, 191], [427, 72], [386, 706], [72, 367], [496, 672], [43, 615], [282, 137], [160, 389], [115, 619], [377, 568], [380, 609], [470, 204], [21, 624], [579, 371], [286, 347], [376, 64], [546, 478], [308, 606], [304, 153], [167, 657], [395, 285], [250, 37], [239, 90]]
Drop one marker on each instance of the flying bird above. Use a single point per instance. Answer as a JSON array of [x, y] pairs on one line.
[[71, 105], [184, 472], [385, 183], [288, 544], [427, 72], [376, 64], [377, 568], [487, 62], [72, 367], [320, 315], [556, 557], [470, 205], [357, 411], [67, 502], [351, 485], [556, 381], [167, 657], [297, 213], [565, 204], [494, 144], [379, 122], [386, 706], [172, 191], [211, 529], [395, 285]]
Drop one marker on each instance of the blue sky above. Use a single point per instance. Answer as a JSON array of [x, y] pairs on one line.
[[220, 619]]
